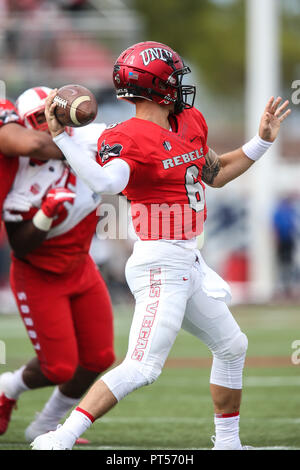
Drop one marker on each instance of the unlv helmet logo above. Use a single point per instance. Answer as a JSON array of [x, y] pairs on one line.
[[106, 151], [153, 53]]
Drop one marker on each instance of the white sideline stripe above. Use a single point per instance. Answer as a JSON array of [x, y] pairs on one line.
[[180, 420], [283, 381], [255, 381]]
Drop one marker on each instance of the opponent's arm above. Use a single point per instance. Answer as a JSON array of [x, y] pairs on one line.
[[17, 140], [110, 179], [26, 236], [220, 170]]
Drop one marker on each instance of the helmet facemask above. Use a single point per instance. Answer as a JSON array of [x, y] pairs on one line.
[[185, 93], [37, 120]]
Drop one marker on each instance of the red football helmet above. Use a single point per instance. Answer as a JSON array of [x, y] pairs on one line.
[[153, 71]]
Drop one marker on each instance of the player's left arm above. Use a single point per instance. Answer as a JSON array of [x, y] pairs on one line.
[[221, 169], [18, 140], [26, 236]]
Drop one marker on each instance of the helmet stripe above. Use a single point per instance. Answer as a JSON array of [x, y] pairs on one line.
[[41, 93]]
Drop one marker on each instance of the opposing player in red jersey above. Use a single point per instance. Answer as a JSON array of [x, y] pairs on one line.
[[50, 217], [160, 160], [16, 139]]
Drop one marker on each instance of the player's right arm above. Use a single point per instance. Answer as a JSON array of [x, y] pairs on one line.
[[110, 179]]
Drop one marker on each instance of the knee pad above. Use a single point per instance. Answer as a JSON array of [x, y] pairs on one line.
[[234, 349], [228, 364], [106, 359], [59, 373], [151, 374], [239, 346], [128, 377], [101, 362]]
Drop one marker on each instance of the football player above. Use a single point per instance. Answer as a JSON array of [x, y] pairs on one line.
[[16, 139], [160, 160], [50, 218]]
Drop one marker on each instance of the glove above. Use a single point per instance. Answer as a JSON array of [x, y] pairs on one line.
[[54, 199], [15, 202], [51, 207], [9, 217]]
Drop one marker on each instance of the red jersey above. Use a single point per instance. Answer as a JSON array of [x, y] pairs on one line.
[[8, 165], [165, 187]]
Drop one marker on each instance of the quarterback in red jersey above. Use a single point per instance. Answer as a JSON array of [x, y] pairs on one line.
[[50, 218], [161, 157], [170, 202]]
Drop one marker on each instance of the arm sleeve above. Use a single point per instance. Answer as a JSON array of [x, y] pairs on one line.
[[110, 179]]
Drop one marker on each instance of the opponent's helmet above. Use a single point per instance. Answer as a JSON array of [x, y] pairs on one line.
[[153, 71], [31, 103]]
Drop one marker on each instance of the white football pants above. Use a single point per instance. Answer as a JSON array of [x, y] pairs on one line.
[[173, 289]]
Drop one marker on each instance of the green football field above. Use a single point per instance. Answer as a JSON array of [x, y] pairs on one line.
[[176, 412]]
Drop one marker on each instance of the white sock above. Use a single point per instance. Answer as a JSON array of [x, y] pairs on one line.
[[227, 432], [12, 383], [56, 408], [77, 423]]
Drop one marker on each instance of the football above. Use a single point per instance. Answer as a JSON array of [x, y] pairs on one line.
[[76, 106]]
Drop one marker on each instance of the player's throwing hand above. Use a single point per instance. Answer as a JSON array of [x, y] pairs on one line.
[[54, 125], [272, 117]]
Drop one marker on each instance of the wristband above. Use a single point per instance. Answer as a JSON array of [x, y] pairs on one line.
[[42, 221], [200, 241], [256, 148]]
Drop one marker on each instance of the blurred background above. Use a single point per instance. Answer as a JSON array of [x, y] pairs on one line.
[[241, 52]]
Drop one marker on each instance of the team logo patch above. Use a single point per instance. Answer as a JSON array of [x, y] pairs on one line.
[[167, 145], [35, 188], [106, 151], [8, 115]]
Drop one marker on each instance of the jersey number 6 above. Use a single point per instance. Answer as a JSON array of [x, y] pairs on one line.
[[194, 190]]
